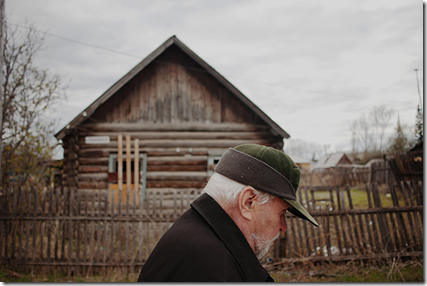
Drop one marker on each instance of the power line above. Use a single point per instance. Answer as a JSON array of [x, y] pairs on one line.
[[139, 57]]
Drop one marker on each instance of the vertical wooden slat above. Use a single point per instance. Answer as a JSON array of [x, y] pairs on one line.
[[120, 161], [70, 226], [295, 248], [84, 232], [376, 241], [92, 240], [306, 234], [34, 224], [27, 233], [412, 200], [382, 221], [104, 250], [402, 225], [64, 214], [136, 172], [57, 225], [14, 221], [111, 257], [78, 238], [341, 205], [49, 228], [120, 202], [355, 243], [337, 231], [21, 223], [7, 224], [128, 172]]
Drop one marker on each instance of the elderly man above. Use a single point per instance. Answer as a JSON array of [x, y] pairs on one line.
[[233, 224]]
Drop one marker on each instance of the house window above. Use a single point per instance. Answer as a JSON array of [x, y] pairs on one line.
[[137, 189], [212, 161]]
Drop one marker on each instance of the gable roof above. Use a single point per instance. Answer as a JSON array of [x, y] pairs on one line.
[[145, 62], [330, 161]]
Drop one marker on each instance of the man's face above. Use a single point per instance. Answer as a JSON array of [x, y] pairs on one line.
[[269, 222]]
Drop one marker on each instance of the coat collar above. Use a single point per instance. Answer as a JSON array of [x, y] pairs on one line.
[[230, 234]]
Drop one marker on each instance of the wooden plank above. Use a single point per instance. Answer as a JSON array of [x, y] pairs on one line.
[[404, 238], [376, 241], [78, 238], [15, 222], [409, 214], [337, 232], [27, 233], [49, 227], [190, 126], [306, 234], [21, 222], [128, 172], [64, 212], [111, 257], [353, 223], [104, 251], [136, 170], [382, 222], [120, 160], [34, 224], [412, 194], [70, 226], [57, 225], [342, 218]]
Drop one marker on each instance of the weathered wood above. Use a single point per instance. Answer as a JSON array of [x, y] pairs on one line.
[[119, 238], [194, 126], [172, 135], [406, 200], [136, 170], [128, 171], [193, 143], [21, 223], [120, 161]]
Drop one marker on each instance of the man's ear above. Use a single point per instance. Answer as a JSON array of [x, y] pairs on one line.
[[246, 202]]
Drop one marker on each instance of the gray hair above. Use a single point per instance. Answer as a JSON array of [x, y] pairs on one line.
[[225, 190]]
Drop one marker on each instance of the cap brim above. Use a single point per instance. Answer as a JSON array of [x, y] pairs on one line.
[[300, 211]]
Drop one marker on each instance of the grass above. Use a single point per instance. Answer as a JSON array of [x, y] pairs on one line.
[[409, 271], [385, 271], [359, 198], [116, 276]]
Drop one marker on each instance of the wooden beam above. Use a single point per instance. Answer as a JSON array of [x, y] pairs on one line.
[[120, 160]]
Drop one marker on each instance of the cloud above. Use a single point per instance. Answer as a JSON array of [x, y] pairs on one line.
[[310, 66]]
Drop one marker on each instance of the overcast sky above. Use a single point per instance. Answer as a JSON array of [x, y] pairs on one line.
[[312, 66]]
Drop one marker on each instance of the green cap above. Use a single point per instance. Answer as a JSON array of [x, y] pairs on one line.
[[266, 169]]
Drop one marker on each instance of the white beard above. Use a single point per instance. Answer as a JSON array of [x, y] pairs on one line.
[[262, 245]]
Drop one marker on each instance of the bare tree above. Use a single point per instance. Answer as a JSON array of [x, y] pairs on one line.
[[381, 116], [29, 93], [304, 149], [368, 131]]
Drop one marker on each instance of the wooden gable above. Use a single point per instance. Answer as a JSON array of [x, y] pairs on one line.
[[174, 89]]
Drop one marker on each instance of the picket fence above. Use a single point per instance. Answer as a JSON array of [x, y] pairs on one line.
[[83, 233]]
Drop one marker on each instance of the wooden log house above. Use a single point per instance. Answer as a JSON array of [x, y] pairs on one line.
[[177, 110]]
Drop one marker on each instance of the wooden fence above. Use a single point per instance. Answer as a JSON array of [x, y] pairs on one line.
[[378, 172], [89, 233], [348, 232], [84, 232]]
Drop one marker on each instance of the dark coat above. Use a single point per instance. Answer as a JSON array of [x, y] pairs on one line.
[[204, 244]]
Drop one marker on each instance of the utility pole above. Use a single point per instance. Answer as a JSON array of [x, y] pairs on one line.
[[418, 85], [2, 3]]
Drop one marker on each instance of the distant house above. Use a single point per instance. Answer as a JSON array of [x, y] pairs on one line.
[[332, 161], [303, 164], [175, 115]]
